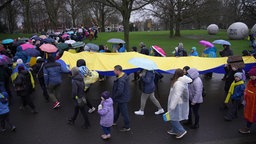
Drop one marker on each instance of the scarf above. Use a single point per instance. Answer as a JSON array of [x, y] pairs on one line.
[[232, 88]]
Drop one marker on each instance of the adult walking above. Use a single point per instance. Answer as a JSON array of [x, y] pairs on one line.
[[52, 78], [178, 103], [148, 91], [121, 97], [84, 71], [225, 53], [78, 93], [38, 70], [195, 97]]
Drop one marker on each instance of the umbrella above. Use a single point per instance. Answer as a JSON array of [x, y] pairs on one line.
[[49, 40], [27, 46], [32, 52], [143, 63], [43, 36], [70, 41], [18, 43], [78, 45], [62, 46], [91, 46], [206, 43], [64, 36], [159, 50], [48, 48], [116, 40], [221, 42], [70, 32], [7, 41], [35, 37], [5, 60], [24, 39]]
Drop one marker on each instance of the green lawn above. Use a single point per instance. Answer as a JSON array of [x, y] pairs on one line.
[[189, 38]]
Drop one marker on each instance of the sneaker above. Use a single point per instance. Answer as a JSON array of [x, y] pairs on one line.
[[91, 110], [125, 130], [170, 132], [245, 131], [179, 136], [160, 111], [13, 129], [105, 137], [56, 105], [139, 112]]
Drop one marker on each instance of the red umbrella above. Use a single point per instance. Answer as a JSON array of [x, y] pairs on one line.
[[159, 50], [27, 46], [49, 48]]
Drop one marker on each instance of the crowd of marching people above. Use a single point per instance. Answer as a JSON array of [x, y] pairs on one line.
[[185, 96]]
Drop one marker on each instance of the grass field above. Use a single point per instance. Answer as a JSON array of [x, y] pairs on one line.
[[189, 38]]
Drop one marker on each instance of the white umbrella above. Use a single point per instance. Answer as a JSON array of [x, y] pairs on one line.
[[69, 41], [115, 40]]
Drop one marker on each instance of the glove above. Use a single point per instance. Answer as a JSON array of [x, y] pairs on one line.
[[100, 107]]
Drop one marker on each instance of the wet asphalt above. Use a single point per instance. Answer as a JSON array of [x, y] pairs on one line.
[[50, 126]]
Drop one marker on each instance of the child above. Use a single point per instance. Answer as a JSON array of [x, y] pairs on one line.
[[250, 101], [106, 111], [4, 112], [235, 92], [185, 70]]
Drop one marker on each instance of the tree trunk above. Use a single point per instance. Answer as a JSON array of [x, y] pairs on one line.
[[102, 25], [126, 19], [27, 16], [171, 26], [177, 29]]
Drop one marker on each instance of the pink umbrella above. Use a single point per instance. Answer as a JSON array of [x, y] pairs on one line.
[[65, 35], [49, 48], [206, 43], [27, 46], [159, 50]]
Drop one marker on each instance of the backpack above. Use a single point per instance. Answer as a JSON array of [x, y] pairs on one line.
[[19, 82]]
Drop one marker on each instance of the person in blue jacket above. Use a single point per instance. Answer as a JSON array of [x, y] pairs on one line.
[[121, 48], [147, 86], [193, 52], [4, 112]]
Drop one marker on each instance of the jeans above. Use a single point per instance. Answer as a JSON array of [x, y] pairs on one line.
[[106, 130], [144, 98], [248, 124], [177, 127], [84, 114], [53, 91], [195, 110], [43, 87], [122, 108]]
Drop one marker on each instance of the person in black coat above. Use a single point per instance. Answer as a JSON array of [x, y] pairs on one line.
[[23, 87], [38, 69], [78, 93], [225, 53]]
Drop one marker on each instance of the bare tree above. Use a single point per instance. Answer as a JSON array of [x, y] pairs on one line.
[[125, 7], [52, 9], [73, 8], [5, 4]]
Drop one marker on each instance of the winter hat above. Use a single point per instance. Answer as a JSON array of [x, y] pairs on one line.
[[193, 48], [252, 72], [75, 71], [105, 94], [19, 61], [142, 44], [80, 62], [180, 46], [239, 74]]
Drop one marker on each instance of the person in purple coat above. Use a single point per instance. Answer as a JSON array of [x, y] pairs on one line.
[[106, 112]]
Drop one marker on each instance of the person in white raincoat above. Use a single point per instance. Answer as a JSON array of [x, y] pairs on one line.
[[178, 103]]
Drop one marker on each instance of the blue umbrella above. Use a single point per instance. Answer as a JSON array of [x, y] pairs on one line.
[[143, 63], [32, 52], [7, 41], [49, 40], [221, 42], [70, 32]]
